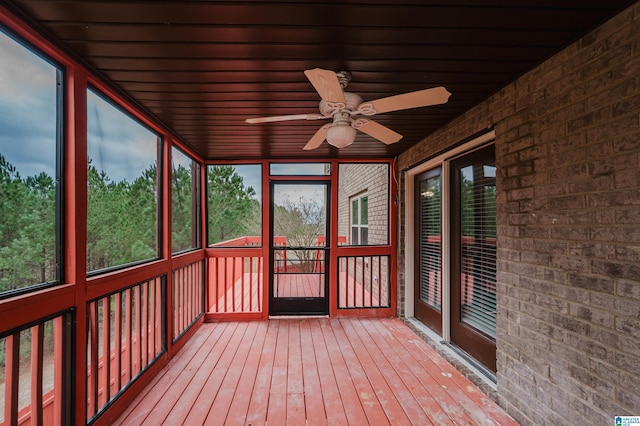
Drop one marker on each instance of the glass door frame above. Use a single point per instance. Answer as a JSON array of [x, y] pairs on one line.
[[479, 345], [300, 305], [423, 311]]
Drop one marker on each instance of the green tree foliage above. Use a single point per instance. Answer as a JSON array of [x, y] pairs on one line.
[[478, 203], [122, 219], [232, 208], [301, 223], [183, 201], [27, 228]]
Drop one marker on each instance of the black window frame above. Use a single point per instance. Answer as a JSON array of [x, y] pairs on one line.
[[198, 203], [159, 186], [61, 102]]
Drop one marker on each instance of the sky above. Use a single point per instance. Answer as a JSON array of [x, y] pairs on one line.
[[295, 193], [117, 144], [27, 109], [251, 176]]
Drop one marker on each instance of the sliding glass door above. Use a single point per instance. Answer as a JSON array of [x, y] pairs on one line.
[[428, 250], [473, 259]]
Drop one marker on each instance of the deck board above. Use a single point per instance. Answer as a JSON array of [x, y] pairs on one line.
[[239, 408], [154, 393], [257, 413], [316, 371]]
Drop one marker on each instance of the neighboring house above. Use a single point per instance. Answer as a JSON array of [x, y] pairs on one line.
[[363, 203]]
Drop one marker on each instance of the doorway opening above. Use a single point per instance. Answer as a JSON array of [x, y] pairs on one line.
[[299, 248]]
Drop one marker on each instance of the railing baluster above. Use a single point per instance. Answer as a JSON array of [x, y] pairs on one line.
[[224, 283], [251, 284], [151, 320], [188, 311], [117, 340], [144, 341], [233, 283], [177, 318], [37, 356], [188, 283], [105, 377], [355, 280], [11, 380], [58, 362], [379, 294], [160, 314], [129, 333], [93, 342], [138, 341], [242, 262]]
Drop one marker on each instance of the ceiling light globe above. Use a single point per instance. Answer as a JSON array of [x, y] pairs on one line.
[[341, 136]]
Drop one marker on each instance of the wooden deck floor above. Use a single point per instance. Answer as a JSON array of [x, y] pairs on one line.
[[316, 371]]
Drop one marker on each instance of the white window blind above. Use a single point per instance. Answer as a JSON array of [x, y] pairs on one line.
[[478, 247]]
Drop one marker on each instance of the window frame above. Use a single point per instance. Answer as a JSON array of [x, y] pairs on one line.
[[262, 166], [359, 226], [196, 213], [60, 102], [107, 97], [473, 143]]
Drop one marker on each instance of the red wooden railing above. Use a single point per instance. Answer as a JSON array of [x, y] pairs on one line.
[[235, 276], [188, 296], [235, 284], [363, 282], [128, 326], [35, 396]]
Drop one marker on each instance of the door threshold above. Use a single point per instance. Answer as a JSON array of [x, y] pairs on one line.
[[297, 316]]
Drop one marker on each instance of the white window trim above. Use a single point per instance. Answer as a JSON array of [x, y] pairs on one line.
[[359, 198]]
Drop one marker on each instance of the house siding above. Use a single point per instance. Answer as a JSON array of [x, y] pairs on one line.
[[568, 262]]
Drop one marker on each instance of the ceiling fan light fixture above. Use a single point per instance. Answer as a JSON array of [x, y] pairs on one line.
[[344, 107], [341, 135]]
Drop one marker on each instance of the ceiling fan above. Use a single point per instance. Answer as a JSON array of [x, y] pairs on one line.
[[344, 107]]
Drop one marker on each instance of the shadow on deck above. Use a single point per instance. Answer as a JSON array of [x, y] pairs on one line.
[[310, 371]]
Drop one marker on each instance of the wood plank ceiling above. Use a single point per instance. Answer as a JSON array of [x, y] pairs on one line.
[[203, 67]]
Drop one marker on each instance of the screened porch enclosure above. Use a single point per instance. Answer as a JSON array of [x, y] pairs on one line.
[[306, 249], [136, 315], [236, 282]]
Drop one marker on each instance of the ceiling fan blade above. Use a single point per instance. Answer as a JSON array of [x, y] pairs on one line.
[[317, 139], [377, 130], [326, 84], [285, 118], [421, 98]]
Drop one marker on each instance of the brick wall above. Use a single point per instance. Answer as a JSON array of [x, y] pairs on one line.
[[568, 157], [372, 179]]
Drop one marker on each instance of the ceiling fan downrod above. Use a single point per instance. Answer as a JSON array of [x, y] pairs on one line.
[[344, 77]]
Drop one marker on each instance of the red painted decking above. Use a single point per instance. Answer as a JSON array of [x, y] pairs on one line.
[[316, 371], [298, 285]]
